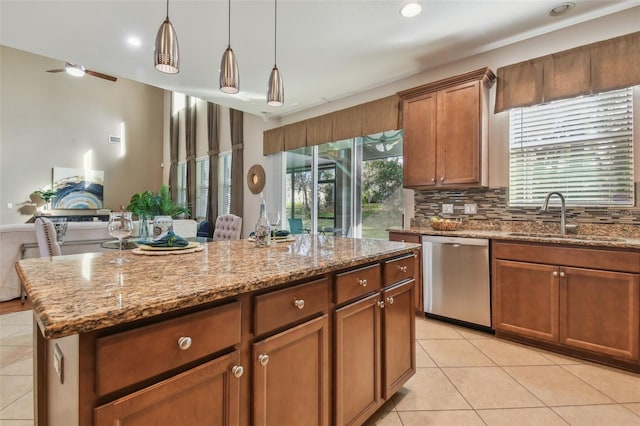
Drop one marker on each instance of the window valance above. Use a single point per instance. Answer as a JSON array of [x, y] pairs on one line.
[[593, 68], [360, 120]]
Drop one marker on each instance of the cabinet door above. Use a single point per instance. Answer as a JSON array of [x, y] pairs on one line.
[[526, 299], [291, 376], [399, 355], [419, 141], [599, 311], [459, 135], [357, 360], [207, 394]]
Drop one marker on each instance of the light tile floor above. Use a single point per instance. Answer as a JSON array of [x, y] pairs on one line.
[[466, 377], [463, 377]]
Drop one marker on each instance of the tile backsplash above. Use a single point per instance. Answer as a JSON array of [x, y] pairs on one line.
[[492, 207]]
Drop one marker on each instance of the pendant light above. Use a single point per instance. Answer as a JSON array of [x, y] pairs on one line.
[[229, 74], [166, 55], [275, 94]]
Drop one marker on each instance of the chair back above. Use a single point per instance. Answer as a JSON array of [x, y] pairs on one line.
[[295, 225], [228, 227], [204, 229], [46, 236]]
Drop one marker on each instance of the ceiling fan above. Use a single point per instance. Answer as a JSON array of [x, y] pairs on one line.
[[79, 71]]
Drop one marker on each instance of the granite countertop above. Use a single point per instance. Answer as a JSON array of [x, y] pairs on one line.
[[624, 236], [84, 292]]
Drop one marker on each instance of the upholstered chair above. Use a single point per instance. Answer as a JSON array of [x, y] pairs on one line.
[[228, 227], [46, 236]]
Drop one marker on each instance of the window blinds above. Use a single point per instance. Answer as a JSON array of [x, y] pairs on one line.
[[582, 147]]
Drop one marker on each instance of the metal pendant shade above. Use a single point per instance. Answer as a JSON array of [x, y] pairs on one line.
[[229, 73], [275, 94], [166, 53]]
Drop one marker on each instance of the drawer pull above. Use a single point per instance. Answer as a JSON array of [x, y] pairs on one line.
[[555, 273], [237, 371], [184, 343], [562, 274], [263, 359], [390, 300], [363, 283], [298, 303], [402, 268], [381, 304]]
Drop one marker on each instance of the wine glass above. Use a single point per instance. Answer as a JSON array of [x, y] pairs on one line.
[[61, 228], [274, 221], [120, 226]]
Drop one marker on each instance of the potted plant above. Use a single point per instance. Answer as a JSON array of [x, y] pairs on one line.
[[147, 205], [46, 195]]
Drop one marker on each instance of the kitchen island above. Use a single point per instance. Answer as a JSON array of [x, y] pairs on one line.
[[228, 335]]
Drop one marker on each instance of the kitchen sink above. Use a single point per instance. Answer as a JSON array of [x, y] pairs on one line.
[[565, 237]]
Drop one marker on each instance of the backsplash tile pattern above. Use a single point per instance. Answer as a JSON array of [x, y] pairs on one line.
[[493, 211]]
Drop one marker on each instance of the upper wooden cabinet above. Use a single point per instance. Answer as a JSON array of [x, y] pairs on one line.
[[445, 126]]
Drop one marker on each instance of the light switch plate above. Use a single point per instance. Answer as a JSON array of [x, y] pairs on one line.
[[447, 208], [470, 208]]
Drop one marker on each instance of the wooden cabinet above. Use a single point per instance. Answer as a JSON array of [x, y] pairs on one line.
[[445, 126], [291, 376], [409, 237], [207, 394], [581, 300], [375, 345]]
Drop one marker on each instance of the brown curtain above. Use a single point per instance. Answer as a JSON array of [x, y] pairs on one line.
[[360, 120], [593, 68], [214, 150], [190, 136], [174, 138], [236, 119]]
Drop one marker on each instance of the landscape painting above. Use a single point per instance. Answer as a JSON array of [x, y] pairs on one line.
[[78, 188]]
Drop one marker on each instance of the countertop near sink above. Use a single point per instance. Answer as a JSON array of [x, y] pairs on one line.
[[602, 236]]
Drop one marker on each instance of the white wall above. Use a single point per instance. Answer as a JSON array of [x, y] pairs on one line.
[[604, 28], [53, 120]]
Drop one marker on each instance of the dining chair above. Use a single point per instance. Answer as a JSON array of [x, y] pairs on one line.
[[46, 237], [204, 229], [228, 227], [295, 226]]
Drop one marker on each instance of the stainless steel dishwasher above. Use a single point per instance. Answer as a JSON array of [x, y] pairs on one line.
[[456, 280]]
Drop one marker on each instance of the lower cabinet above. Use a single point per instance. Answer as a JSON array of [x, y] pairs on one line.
[[587, 302], [374, 347], [291, 376], [207, 394]]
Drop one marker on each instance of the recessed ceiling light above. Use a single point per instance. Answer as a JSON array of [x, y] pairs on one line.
[[561, 8], [134, 41], [410, 10]]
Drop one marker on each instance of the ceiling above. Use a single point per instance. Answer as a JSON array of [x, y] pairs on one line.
[[326, 50]]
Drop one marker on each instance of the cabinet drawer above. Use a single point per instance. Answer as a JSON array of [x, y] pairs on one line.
[[396, 270], [129, 357], [352, 284], [404, 237], [282, 307]]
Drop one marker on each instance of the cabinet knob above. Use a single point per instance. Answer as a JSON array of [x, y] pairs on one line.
[[184, 343], [402, 268], [441, 178], [363, 283], [298, 303], [433, 180], [562, 274], [381, 304], [555, 273], [263, 359], [390, 300], [237, 371]]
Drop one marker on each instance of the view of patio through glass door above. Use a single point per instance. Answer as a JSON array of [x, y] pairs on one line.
[[347, 188]]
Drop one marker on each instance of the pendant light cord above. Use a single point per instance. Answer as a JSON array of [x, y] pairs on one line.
[[167, 9], [275, 34], [229, 39]]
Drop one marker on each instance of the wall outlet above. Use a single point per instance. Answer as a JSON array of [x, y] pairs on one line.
[[470, 208], [447, 208]]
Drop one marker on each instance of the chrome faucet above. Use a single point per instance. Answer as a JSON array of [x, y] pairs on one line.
[[545, 207]]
